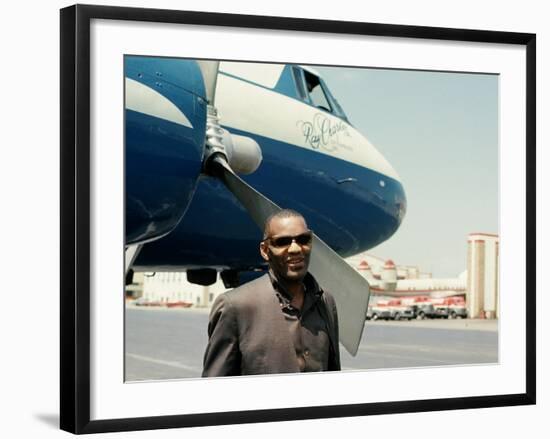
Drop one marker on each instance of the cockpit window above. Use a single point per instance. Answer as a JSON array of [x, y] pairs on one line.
[[316, 92], [313, 90], [336, 108]]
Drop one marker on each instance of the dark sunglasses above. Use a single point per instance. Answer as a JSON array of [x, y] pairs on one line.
[[286, 241]]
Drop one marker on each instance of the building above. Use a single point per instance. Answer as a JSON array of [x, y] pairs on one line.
[[478, 284], [483, 282], [172, 287], [387, 279]]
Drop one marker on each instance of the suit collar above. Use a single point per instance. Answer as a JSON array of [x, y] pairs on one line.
[[312, 288]]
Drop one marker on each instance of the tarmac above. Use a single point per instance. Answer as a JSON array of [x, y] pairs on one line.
[[169, 343], [458, 324]]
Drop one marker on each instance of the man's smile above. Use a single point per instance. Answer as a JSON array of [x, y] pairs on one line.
[[295, 262]]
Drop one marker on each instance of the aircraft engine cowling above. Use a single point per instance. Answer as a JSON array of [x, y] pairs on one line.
[[243, 153], [165, 112]]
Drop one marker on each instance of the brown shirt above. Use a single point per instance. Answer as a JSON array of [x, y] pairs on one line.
[[307, 327]]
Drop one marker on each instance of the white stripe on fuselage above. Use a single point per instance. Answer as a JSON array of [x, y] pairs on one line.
[[263, 74], [144, 99], [258, 110]]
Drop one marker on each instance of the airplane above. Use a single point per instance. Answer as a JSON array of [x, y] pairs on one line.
[[192, 125]]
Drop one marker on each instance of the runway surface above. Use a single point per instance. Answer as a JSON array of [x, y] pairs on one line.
[[165, 343]]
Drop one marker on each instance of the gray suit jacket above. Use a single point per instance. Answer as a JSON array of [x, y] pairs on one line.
[[248, 334]]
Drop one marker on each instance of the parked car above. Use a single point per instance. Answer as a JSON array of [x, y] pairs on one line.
[[450, 308], [457, 310], [378, 313], [402, 312], [179, 304], [424, 310], [142, 301], [422, 306], [390, 310], [441, 311]]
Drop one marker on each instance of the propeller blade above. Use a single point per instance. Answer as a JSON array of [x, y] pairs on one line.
[[130, 255], [350, 290], [209, 71]]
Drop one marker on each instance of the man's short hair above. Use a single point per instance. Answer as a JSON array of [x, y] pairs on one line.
[[285, 213]]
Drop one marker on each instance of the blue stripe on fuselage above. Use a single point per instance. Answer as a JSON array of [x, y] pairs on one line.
[[351, 216]]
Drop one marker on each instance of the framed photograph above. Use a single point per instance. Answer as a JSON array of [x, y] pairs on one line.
[[451, 117]]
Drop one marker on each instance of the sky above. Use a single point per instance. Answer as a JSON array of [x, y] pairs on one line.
[[439, 130]]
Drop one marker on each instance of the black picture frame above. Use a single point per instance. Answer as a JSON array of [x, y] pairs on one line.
[[75, 217]]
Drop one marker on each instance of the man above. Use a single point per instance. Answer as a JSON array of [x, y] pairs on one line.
[[281, 322]]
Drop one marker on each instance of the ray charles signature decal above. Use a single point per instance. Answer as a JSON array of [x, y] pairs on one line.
[[325, 133]]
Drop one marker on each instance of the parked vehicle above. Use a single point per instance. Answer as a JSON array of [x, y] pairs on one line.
[[390, 310], [456, 311], [142, 301], [178, 304], [450, 308], [400, 311], [422, 306], [419, 307], [378, 313], [424, 311], [441, 311]]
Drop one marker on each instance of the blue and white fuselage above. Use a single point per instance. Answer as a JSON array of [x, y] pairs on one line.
[[314, 161]]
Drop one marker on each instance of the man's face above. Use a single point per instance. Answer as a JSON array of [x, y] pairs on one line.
[[288, 262]]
